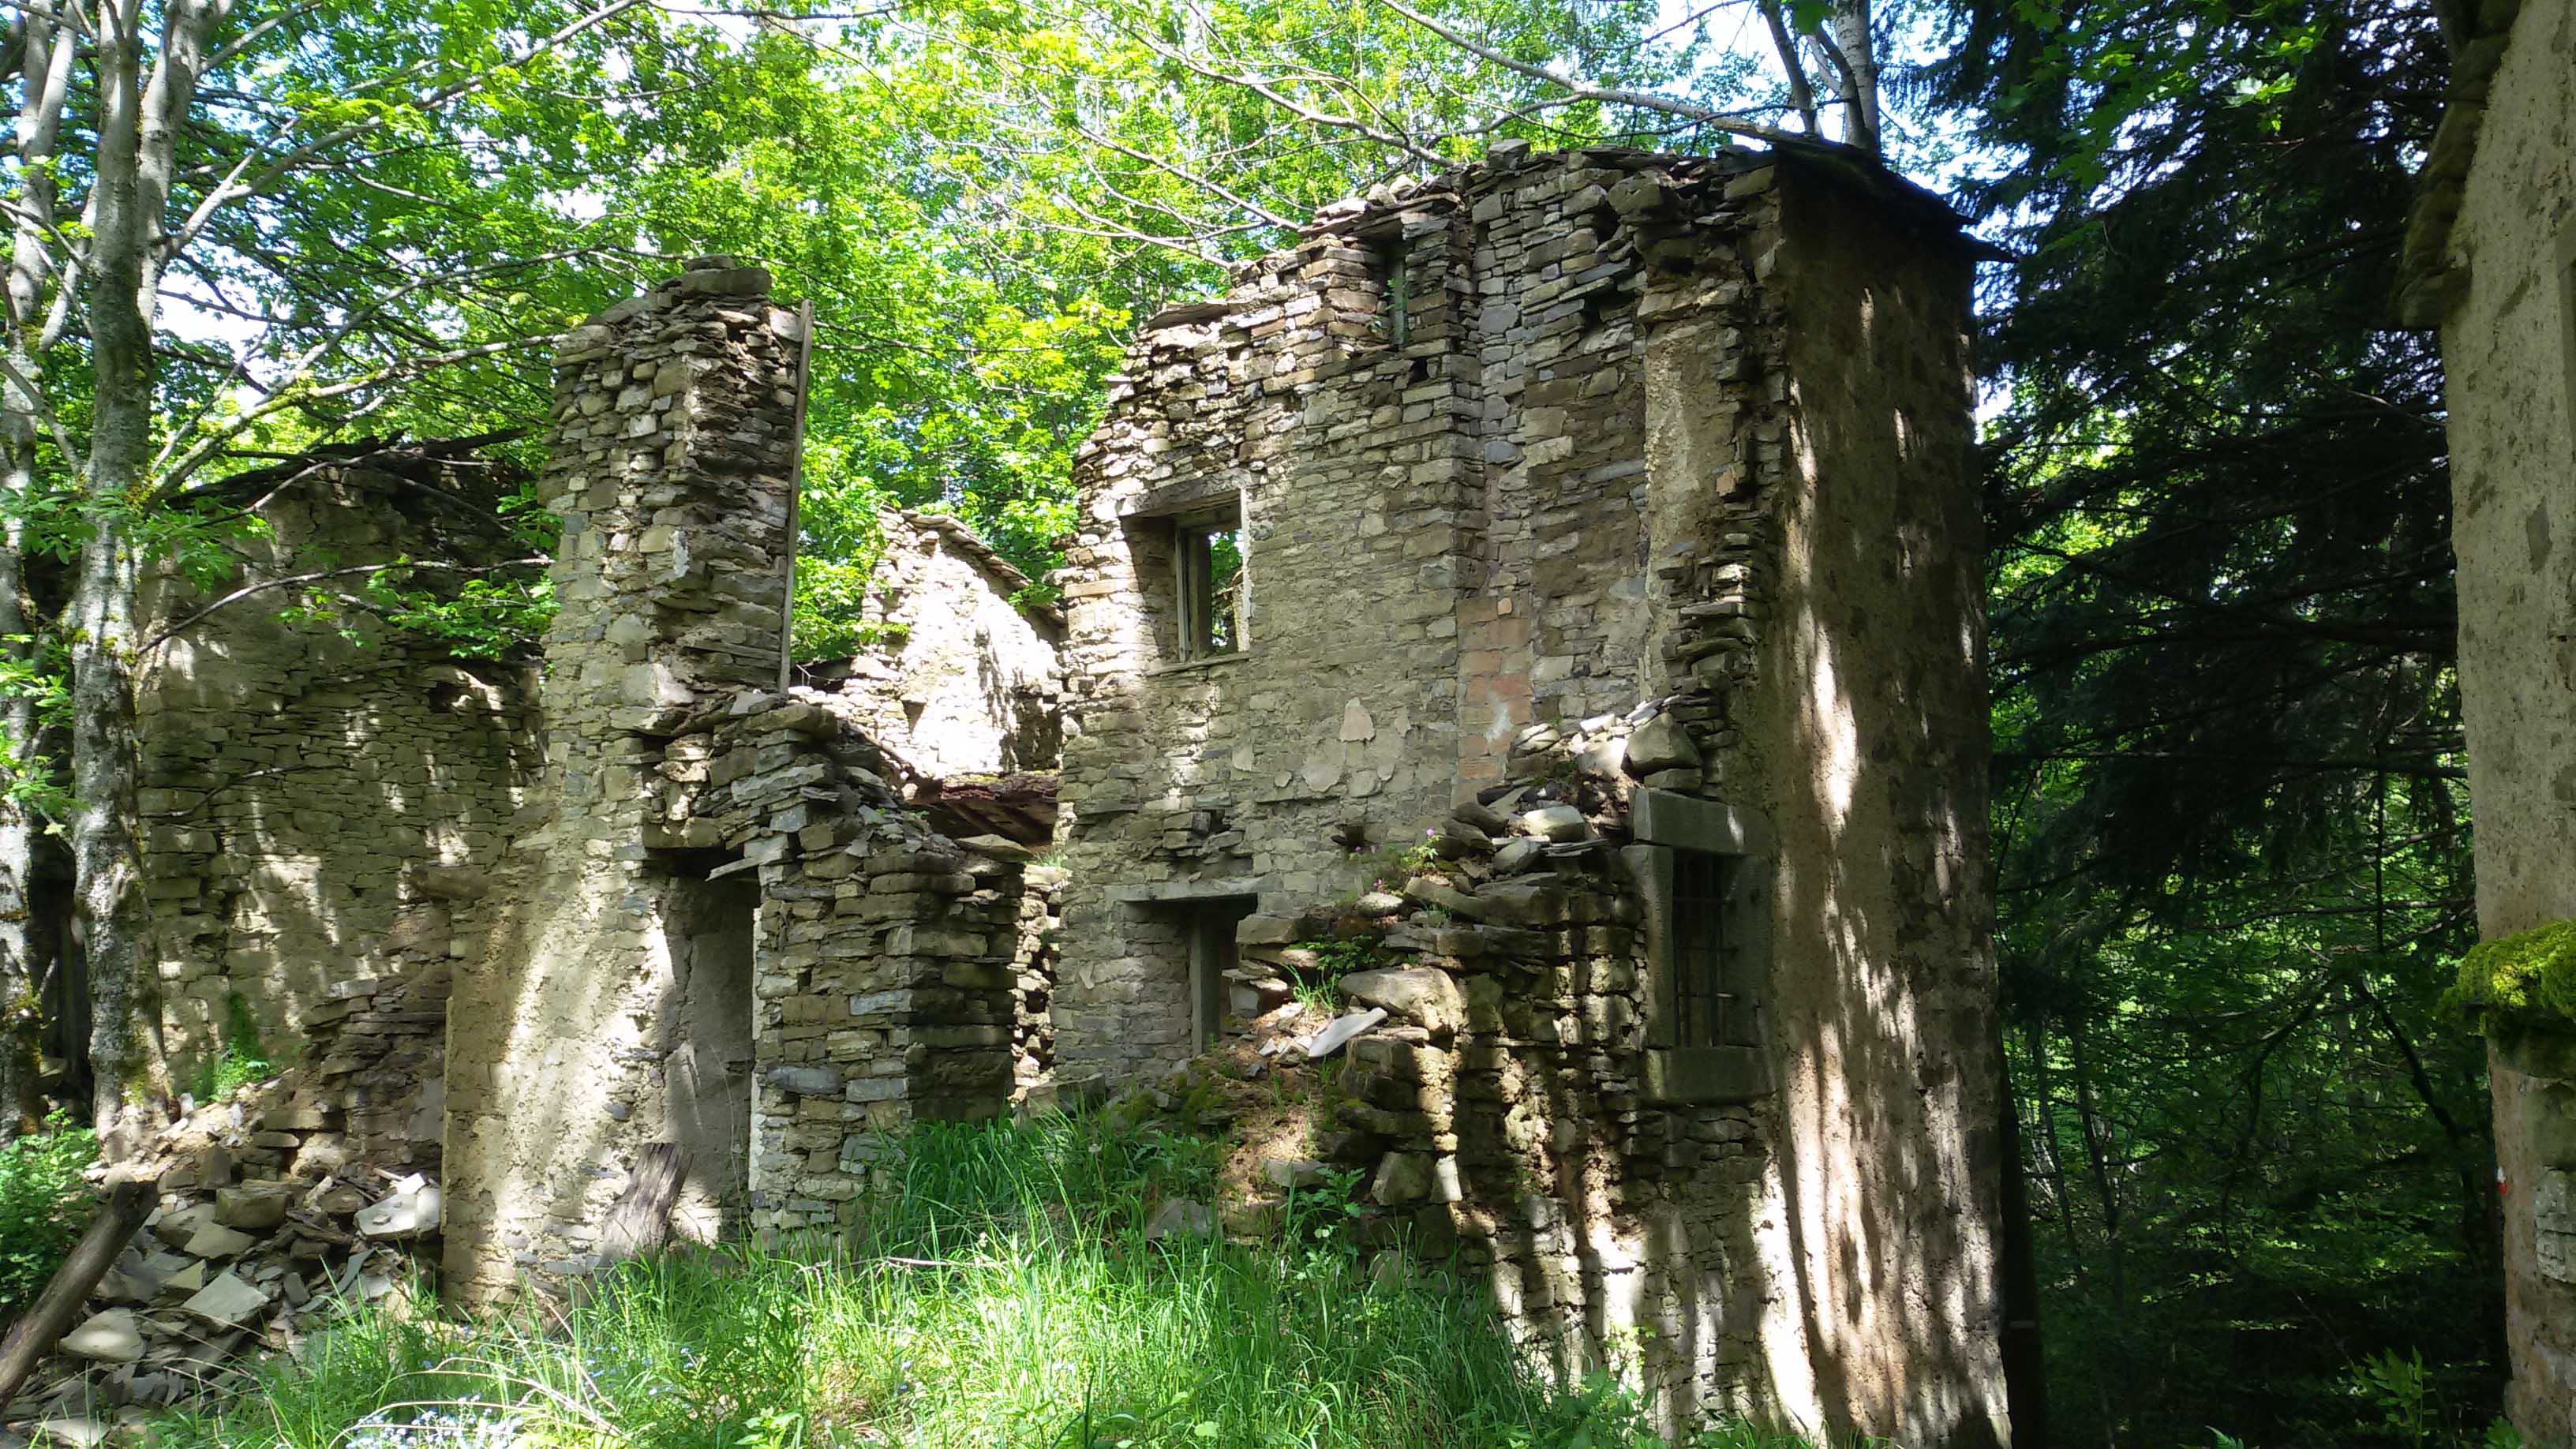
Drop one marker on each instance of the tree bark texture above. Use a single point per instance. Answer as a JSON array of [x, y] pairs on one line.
[[35, 318]]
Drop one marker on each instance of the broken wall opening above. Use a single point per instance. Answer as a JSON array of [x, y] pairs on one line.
[[712, 922]]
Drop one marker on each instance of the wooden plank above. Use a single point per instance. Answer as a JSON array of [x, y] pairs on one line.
[[639, 1222]]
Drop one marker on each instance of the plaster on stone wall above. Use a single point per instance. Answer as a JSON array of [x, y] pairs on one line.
[[2509, 353]]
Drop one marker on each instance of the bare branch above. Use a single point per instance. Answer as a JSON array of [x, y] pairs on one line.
[[1730, 122], [296, 580], [1801, 98]]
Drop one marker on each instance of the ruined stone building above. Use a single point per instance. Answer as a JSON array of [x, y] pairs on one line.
[[1622, 498], [1554, 587], [2491, 261]]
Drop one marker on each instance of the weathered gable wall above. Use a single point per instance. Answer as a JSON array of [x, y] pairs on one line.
[[2509, 355], [965, 681], [321, 793]]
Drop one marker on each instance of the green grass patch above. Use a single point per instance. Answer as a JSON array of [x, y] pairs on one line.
[[1004, 1295]]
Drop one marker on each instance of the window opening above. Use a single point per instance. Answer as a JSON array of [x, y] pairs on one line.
[[1707, 1009], [1399, 296], [1209, 559]]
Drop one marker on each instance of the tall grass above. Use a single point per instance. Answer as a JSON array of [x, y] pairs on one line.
[[1006, 1294]]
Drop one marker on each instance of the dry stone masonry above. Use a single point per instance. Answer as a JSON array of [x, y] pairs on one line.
[[732, 959], [1538, 610], [1603, 660], [320, 791]]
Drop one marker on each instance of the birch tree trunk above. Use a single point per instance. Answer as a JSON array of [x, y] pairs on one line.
[[44, 60], [1851, 34]]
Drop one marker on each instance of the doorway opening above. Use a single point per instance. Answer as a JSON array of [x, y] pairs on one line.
[[708, 1084]]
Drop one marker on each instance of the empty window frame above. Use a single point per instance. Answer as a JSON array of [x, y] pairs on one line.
[[1394, 256], [1208, 583]]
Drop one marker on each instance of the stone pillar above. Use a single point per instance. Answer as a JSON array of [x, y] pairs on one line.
[[670, 463]]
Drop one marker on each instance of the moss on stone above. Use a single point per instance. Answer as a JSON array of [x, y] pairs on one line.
[[2525, 979]]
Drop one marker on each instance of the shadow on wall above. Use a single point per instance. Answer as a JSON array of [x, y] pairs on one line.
[[1884, 976], [321, 792]]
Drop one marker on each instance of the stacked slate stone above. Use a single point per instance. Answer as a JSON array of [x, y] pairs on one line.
[[1032, 968], [377, 1061], [1496, 1105], [1464, 370], [263, 1236], [302, 761], [888, 959]]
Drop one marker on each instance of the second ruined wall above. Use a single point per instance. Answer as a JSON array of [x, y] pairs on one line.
[[728, 959], [569, 1054], [324, 794], [1661, 511]]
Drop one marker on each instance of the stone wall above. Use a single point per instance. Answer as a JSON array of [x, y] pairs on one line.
[[1632, 491], [731, 958], [2509, 353], [963, 680], [321, 790], [669, 463]]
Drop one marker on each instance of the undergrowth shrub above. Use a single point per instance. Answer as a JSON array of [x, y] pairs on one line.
[[1002, 1292], [44, 1204], [241, 1059]]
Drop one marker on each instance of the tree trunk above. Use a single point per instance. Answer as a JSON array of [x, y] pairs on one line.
[[44, 67], [132, 1089], [1860, 81], [128, 1202], [21, 1019]]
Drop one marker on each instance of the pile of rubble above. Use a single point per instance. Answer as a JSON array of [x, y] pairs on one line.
[[244, 1256]]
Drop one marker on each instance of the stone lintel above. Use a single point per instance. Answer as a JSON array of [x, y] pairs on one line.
[[1179, 498], [1163, 893], [1685, 823]]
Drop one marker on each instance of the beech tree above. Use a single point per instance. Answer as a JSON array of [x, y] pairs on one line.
[[160, 150]]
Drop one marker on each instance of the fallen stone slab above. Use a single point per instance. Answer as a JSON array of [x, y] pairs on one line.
[[252, 1207], [409, 1210], [109, 1337], [227, 1301], [214, 1240], [1328, 1041]]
